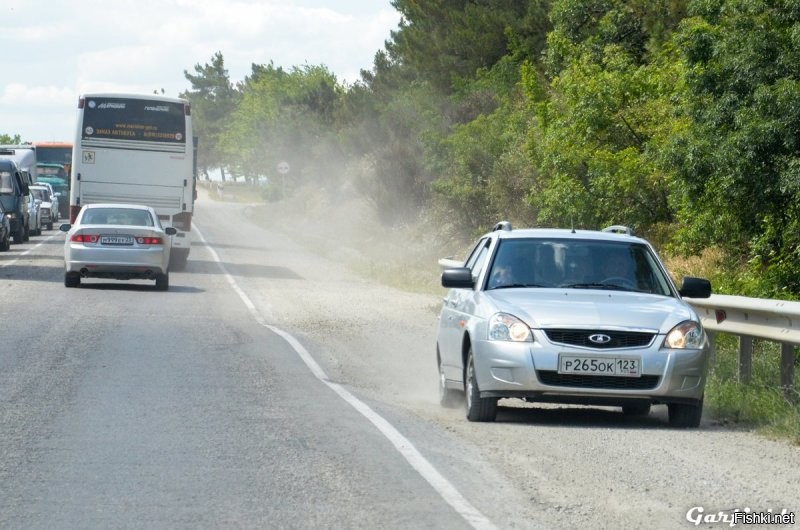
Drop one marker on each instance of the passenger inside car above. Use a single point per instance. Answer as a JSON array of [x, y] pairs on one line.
[[525, 263], [507, 267]]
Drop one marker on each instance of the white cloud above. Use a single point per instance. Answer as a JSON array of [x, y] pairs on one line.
[[146, 45]]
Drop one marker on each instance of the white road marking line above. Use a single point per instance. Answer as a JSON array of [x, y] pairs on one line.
[[443, 487], [25, 253]]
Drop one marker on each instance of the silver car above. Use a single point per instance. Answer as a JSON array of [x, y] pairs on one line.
[[42, 195], [570, 316], [117, 241], [34, 215]]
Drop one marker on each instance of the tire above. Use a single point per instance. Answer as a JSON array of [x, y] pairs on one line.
[[636, 410], [162, 282], [448, 397], [685, 415], [5, 244], [72, 279], [178, 259], [478, 408], [49, 226]]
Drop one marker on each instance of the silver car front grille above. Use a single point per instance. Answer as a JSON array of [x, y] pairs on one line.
[[616, 339]]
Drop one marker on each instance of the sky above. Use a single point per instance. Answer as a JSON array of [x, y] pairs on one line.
[[54, 50]]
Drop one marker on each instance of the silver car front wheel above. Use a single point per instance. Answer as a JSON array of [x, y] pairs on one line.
[[685, 414], [478, 408]]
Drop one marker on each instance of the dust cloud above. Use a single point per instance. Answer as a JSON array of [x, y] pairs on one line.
[[377, 323]]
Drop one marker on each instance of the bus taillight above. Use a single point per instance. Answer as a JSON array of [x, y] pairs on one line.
[[74, 210], [182, 221]]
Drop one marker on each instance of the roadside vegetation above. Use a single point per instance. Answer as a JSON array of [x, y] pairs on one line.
[[760, 402]]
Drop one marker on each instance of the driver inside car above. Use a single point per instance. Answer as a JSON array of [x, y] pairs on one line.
[[501, 275], [617, 266]]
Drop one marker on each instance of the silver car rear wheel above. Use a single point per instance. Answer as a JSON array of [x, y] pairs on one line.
[[162, 282], [448, 397], [72, 279]]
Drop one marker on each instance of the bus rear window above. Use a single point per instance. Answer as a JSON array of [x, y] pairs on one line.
[[134, 119]]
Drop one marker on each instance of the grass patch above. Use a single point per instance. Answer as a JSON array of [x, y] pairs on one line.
[[759, 403]]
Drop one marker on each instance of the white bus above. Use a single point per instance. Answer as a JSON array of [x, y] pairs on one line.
[[137, 148]]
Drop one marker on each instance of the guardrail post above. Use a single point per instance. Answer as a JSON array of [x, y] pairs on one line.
[[745, 358], [787, 369], [712, 350]]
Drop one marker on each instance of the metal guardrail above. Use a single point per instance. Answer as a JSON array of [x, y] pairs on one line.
[[747, 318]]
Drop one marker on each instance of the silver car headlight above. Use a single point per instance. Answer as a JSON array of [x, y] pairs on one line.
[[503, 326], [686, 335]]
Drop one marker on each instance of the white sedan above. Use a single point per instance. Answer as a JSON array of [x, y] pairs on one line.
[[117, 241]]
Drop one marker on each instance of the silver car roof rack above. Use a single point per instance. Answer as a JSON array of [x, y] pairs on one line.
[[618, 229]]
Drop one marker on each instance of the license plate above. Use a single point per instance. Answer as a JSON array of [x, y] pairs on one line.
[[116, 240], [582, 365]]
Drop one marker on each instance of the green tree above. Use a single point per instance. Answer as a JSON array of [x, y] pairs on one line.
[[483, 172], [9, 139], [283, 116], [445, 42], [602, 115], [738, 163], [213, 98]]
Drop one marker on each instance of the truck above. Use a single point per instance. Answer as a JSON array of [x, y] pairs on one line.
[[24, 155]]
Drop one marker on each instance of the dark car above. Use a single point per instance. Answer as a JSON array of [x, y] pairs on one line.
[[14, 198], [5, 230]]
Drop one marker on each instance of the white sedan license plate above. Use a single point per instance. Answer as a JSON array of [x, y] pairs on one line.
[[582, 365], [116, 240]]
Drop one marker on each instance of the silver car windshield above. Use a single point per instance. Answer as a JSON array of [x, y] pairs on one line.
[[117, 216], [41, 194], [576, 264]]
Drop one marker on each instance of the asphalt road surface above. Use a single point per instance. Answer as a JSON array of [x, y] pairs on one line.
[[270, 387]]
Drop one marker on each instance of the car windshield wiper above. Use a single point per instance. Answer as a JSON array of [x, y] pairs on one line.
[[606, 286], [517, 285]]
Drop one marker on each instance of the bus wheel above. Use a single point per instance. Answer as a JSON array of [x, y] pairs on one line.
[[178, 259]]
